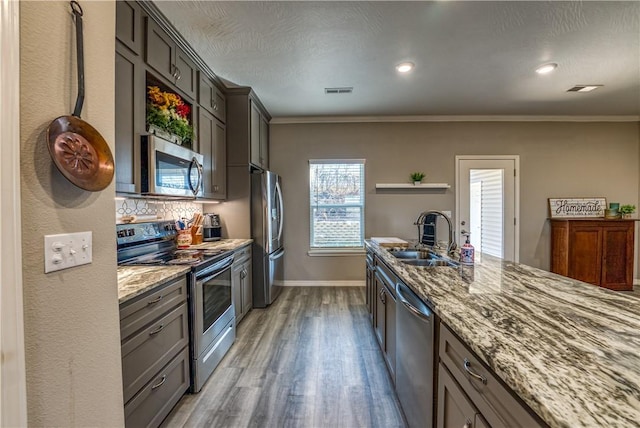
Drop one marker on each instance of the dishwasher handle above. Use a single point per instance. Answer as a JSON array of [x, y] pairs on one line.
[[413, 302]]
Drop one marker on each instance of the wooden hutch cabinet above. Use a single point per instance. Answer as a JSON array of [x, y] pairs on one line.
[[597, 251]]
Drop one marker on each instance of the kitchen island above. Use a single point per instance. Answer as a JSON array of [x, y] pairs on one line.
[[567, 349]]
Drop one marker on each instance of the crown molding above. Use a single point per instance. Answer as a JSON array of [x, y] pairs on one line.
[[286, 120]]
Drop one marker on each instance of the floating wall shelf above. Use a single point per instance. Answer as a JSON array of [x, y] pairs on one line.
[[412, 186]]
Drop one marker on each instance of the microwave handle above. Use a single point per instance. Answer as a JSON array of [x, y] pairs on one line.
[[199, 167]]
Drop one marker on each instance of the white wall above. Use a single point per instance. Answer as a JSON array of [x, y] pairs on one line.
[[556, 159], [72, 333]]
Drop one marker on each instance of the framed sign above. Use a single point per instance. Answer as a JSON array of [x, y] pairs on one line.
[[577, 207]]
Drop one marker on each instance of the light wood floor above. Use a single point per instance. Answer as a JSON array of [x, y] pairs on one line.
[[309, 360]]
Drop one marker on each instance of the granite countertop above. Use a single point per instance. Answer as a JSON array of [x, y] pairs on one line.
[[135, 280], [569, 349]]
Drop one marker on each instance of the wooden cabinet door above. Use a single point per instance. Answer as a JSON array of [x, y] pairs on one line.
[[380, 313], [254, 135], [160, 52], [236, 290], [212, 145], [585, 253], [186, 74], [264, 143], [455, 410], [390, 330], [129, 119], [617, 256], [247, 287], [129, 25]]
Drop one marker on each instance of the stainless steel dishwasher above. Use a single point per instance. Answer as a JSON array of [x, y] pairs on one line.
[[414, 357]]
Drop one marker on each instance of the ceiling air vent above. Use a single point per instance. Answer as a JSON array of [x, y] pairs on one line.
[[345, 90], [583, 88]]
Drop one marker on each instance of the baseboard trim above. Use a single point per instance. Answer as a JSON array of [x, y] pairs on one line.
[[324, 283]]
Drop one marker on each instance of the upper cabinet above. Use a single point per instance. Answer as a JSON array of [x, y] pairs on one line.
[[129, 25], [165, 56], [247, 129], [213, 146], [211, 98]]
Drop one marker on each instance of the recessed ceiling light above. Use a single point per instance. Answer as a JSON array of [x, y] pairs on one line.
[[584, 88], [405, 67], [546, 68]]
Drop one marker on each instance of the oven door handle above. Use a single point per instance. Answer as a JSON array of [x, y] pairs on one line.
[[215, 269]]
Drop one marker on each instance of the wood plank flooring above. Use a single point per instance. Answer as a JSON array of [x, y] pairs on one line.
[[309, 360]]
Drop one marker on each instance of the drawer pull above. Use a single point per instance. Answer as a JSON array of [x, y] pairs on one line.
[[467, 424], [154, 301], [467, 367], [157, 330], [159, 384]]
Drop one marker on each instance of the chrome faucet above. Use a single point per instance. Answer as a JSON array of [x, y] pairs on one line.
[[451, 245]]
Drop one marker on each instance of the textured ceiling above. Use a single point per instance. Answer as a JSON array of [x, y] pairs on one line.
[[472, 58]]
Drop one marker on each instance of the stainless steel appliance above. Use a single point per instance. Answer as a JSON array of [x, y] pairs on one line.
[[212, 228], [169, 169], [211, 311], [267, 224], [414, 358]]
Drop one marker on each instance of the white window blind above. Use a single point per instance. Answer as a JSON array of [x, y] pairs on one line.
[[337, 203]]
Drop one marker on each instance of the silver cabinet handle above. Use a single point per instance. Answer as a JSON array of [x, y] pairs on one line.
[[467, 424], [215, 106], [157, 330], [154, 301], [159, 384], [174, 73], [179, 74], [467, 367], [382, 296]]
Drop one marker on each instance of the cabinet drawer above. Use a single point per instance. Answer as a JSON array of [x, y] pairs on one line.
[[138, 313], [495, 402], [150, 349], [389, 278], [242, 255], [154, 402]]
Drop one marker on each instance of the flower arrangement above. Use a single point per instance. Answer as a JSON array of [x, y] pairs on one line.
[[169, 112]]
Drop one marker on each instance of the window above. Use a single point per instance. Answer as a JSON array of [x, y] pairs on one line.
[[337, 204]]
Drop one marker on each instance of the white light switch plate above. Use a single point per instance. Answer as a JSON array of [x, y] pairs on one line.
[[67, 250]]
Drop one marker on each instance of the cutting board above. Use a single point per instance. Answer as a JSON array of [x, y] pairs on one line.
[[390, 242]]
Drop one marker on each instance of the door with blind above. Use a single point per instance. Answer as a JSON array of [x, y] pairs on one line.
[[487, 204]]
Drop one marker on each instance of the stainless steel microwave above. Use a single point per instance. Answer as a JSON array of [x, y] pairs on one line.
[[168, 169]]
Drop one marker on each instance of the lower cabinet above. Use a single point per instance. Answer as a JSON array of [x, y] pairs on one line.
[[470, 395], [155, 353], [241, 284], [384, 319], [369, 292]]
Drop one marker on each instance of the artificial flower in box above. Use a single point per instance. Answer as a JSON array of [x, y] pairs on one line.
[[168, 112]]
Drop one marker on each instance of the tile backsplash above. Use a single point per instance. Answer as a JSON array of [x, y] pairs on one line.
[[151, 210]]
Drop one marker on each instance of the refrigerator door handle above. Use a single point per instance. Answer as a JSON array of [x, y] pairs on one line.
[[277, 254], [281, 203]]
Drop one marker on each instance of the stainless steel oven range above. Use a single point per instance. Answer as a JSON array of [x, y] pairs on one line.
[[211, 312]]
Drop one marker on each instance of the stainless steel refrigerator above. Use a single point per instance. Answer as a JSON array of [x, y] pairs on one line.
[[268, 245]]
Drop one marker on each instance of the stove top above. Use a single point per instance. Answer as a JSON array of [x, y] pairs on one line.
[[175, 257]]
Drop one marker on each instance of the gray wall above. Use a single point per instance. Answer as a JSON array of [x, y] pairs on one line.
[[72, 333], [556, 159]]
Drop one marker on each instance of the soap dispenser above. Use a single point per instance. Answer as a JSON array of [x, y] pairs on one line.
[[467, 252]]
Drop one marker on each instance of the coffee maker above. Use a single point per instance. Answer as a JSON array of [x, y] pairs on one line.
[[211, 228]]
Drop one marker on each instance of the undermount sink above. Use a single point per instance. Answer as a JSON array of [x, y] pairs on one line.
[[412, 254], [429, 262], [421, 258]]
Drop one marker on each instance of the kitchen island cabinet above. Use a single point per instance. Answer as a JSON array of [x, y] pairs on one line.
[[556, 345]]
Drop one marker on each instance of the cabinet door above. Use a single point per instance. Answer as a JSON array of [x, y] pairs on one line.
[[129, 115], [585, 244], [617, 256], [247, 287], [254, 134], [264, 143], [390, 330], [160, 51], [212, 145], [186, 74], [129, 25], [236, 290], [455, 410], [380, 316]]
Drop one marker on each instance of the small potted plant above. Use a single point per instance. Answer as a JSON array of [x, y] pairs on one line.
[[627, 210], [417, 177]]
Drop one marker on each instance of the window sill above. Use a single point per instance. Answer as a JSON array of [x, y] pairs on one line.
[[336, 252]]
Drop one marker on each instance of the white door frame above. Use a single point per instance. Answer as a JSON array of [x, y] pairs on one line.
[[13, 401], [516, 193]]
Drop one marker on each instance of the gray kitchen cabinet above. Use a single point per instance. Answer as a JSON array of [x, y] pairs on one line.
[[212, 144], [247, 129], [172, 63], [129, 118], [155, 352], [455, 410], [369, 289], [211, 98], [496, 405], [241, 283], [385, 314], [129, 25]]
